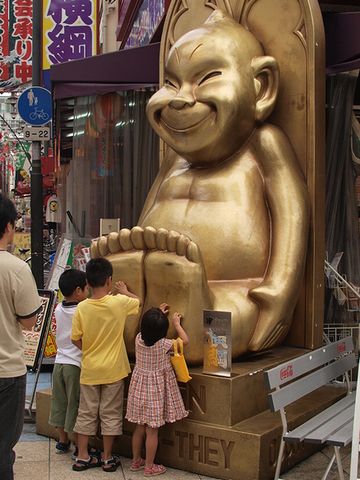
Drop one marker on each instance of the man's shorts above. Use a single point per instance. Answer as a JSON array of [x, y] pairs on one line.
[[65, 396], [104, 402]]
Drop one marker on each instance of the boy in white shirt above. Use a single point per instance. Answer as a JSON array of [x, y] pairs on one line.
[[66, 373]]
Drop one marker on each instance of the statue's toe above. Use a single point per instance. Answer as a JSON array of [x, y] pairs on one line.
[[113, 242], [137, 238], [103, 246], [125, 240], [150, 237]]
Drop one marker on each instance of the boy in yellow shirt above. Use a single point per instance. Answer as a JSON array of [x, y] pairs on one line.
[[98, 327]]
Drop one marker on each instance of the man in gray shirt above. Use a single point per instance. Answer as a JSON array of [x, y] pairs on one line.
[[19, 304]]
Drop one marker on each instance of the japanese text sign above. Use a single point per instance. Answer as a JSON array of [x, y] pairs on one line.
[[69, 30], [15, 42]]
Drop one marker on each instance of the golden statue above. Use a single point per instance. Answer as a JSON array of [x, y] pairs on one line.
[[225, 225]]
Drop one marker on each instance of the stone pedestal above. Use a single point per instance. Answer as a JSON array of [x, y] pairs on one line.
[[230, 433]]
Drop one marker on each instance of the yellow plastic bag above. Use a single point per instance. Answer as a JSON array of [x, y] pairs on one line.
[[178, 362]]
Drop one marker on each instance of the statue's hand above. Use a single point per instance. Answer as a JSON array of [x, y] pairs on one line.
[[274, 318]]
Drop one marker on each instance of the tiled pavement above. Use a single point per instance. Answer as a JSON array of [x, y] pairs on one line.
[[36, 460]]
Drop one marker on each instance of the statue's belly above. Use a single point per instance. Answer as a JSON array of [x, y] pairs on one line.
[[234, 241]]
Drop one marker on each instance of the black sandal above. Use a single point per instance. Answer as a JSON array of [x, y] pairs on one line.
[[81, 465], [94, 452], [111, 464]]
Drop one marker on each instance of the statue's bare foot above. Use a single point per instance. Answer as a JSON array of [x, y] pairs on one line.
[[158, 266], [125, 250], [174, 273]]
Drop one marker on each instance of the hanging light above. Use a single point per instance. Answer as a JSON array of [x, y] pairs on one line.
[[12, 101]]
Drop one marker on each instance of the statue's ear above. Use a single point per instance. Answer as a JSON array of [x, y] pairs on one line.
[[266, 80]]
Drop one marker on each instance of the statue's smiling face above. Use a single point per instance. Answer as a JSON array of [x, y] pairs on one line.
[[205, 110]]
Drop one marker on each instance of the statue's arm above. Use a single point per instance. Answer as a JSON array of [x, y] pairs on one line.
[[288, 203]]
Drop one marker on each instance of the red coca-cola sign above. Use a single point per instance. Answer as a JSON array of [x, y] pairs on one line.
[[286, 372]]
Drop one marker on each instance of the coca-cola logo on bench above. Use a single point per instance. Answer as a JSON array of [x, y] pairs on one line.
[[286, 372]]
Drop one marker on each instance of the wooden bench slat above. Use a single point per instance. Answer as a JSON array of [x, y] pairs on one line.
[[298, 389], [304, 430], [321, 434], [343, 436], [293, 369]]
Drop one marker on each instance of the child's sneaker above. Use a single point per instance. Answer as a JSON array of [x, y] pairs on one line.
[[62, 447]]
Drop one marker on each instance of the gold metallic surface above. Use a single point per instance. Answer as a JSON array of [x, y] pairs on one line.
[[229, 434], [226, 223], [228, 401]]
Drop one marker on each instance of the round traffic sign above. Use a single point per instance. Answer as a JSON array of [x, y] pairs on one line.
[[35, 106]]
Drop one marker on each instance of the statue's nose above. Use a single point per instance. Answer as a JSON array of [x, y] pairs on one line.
[[181, 101]]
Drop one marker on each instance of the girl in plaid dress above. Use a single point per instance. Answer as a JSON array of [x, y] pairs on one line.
[[154, 397]]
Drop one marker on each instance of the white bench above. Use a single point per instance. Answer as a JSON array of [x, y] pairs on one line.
[[296, 378], [356, 433]]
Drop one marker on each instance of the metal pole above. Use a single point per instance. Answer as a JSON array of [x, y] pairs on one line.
[[36, 175]]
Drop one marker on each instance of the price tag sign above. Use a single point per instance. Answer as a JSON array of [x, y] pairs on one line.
[[37, 133]]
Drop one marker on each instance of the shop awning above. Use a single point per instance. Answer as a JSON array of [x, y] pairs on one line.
[[139, 67], [125, 69], [342, 33]]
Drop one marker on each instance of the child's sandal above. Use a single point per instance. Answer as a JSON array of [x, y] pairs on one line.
[[81, 465], [94, 452], [154, 470], [137, 465], [111, 464]]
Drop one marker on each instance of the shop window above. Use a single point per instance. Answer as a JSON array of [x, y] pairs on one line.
[[114, 161]]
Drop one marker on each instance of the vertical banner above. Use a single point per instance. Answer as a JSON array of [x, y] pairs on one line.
[[4, 41], [15, 42], [34, 338], [69, 30]]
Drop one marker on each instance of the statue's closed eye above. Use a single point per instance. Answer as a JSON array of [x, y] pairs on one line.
[[167, 82], [210, 75]]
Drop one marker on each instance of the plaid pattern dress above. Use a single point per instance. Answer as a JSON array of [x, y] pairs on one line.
[[154, 397]]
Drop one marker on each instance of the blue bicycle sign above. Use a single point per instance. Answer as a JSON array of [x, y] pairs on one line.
[[35, 106], [39, 114]]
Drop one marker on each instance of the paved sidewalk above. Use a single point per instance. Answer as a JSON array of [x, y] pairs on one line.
[[36, 458]]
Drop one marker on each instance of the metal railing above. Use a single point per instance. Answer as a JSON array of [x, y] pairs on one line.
[[345, 292]]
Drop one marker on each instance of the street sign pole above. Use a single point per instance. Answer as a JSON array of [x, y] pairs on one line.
[[36, 175]]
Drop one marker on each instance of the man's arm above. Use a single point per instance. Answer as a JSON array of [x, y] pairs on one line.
[[27, 323], [26, 298]]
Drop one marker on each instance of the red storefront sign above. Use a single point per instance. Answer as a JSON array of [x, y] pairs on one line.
[[15, 42]]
